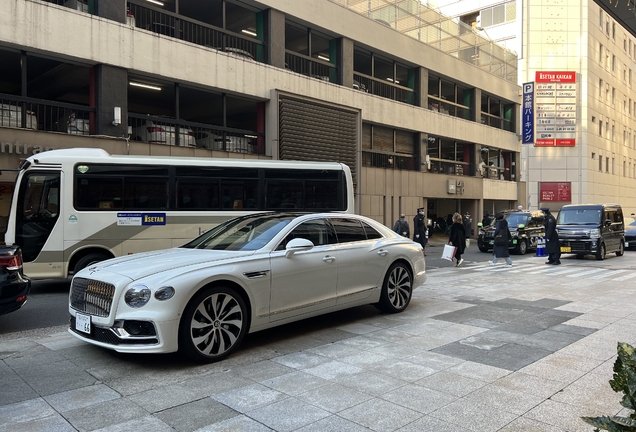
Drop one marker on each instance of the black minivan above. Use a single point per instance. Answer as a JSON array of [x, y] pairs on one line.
[[591, 229]]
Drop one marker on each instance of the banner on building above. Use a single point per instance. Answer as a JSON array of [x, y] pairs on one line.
[[527, 117], [555, 192], [555, 99]]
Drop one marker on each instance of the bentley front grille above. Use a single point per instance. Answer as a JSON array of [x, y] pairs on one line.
[[92, 297]]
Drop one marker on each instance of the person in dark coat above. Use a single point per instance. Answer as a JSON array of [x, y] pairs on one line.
[[552, 247], [419, 229], [501, 250], [402, 226], [457, 238], [468, 225]]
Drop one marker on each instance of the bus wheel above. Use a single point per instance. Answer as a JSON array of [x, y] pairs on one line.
[[89, 259]]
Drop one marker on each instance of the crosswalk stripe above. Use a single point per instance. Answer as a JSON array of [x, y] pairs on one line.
[[609, 274], [624, 278], [585, 273]]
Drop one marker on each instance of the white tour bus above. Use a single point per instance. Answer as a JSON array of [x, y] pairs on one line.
[[74, 207]]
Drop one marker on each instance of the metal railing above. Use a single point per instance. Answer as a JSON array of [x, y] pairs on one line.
[[310, 67], [170, 131], [189, 30], [387, 160], [453, 37], [449, 108], [383, 89], [45, 115], [445, 167]]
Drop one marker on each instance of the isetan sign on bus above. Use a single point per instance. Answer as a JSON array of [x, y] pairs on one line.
[[555, 106]]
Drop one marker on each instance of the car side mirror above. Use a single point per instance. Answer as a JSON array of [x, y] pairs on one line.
[[297, 245], [521, 226], [608, 222], [479, 224]]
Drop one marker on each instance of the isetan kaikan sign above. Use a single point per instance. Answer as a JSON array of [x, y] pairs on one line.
[[555, 106]]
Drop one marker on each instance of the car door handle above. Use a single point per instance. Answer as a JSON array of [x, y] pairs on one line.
[[383, 252], [329, 259]]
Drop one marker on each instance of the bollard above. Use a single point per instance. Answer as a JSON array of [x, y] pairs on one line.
[[540, 247]]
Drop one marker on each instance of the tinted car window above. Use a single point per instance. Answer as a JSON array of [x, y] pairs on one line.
[[317, 231], [348, 230], [371, 232]]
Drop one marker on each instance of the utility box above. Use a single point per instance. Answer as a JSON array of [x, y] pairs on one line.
[[452, 187], [459, 187]]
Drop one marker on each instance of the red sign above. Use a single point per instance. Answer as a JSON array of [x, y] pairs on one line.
[[555, 192], [556, 77]]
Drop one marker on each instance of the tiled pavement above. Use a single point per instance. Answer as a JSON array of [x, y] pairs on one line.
[[476, 350]]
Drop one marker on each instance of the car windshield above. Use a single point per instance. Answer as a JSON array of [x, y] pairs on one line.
[[246, 233], [579, 217], [516, 219]]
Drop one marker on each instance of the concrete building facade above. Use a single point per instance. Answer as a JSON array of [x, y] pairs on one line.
[[273, 79], [595, 40]]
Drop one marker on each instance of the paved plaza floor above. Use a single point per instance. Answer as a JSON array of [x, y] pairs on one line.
[[480, 348]]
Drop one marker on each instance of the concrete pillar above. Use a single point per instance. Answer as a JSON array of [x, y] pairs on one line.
[[421, 87], [475, 107], [111, 90], [344, 64], [274, 32], [112, 9]]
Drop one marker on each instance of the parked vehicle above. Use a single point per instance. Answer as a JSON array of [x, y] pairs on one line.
[[14, 286], [159, 133], [230, 143], [630, 235], [526, 227], [11, 116], [591, 229], [247, 274]]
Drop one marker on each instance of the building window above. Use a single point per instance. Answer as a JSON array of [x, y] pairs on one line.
[[624, 169], [449, 98], [613, 63], [613, 96], [600, 163], [600, 128], [607, 164], [613, 133], [614, 31], [613, 166], [601, 18], [600, 54], [496, 113], [383, 77], [499, 14], [451, 157], [600, 89]]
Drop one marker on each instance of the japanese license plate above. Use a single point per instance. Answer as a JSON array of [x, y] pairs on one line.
[[83, 323], [566, 249]]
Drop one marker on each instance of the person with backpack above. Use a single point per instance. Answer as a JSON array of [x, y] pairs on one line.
[[419, 229], [402, 226]]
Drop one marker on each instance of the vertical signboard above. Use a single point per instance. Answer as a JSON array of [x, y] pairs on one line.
[[555, 105], [527, 118]]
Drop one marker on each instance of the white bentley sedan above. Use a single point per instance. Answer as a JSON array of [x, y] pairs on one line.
[[247, 274]]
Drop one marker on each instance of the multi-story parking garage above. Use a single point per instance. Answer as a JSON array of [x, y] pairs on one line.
[[424, 116]]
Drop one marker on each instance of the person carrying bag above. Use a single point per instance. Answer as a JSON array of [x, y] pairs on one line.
[[502, 236], [402, 227], [457, 238]]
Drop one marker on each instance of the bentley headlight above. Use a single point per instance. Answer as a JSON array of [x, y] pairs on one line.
[[137, 296], [164, 293]]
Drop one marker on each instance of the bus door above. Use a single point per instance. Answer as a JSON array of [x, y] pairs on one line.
[[37, 213]]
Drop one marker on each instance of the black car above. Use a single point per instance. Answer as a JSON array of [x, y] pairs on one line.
[[14, 286], [526, 227]]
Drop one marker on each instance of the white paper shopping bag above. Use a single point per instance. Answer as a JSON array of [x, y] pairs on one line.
[[449, 252]]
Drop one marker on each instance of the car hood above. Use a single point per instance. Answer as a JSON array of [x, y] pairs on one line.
[[145, 264]]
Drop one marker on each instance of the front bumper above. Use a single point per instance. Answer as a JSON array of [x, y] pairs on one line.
[[587, 246]]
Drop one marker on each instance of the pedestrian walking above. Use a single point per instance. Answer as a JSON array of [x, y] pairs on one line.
[[552, 247], [402, 226], [457, 238], [419, 229], [502, 237], [468, 225]]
